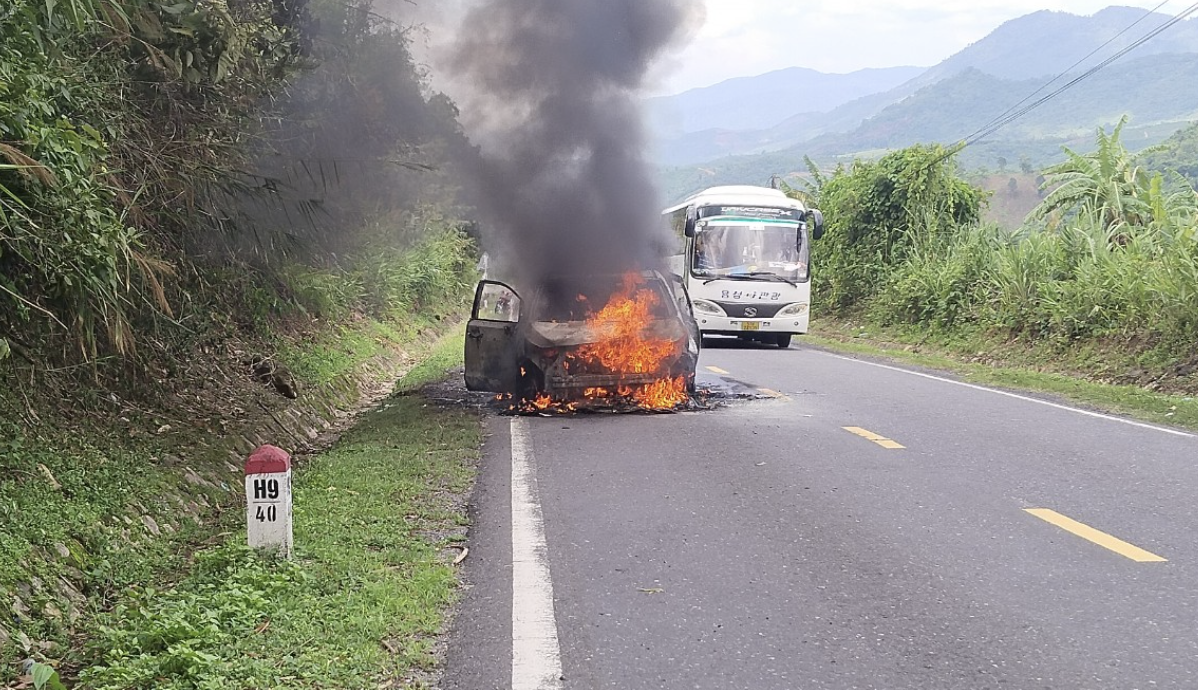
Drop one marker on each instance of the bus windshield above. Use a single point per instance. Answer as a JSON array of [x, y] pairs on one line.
[[749, 248]]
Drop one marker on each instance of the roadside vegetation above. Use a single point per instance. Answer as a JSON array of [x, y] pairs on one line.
[[187, 188], [1179, 153], [1100, 280], [161, 162], [379, 520], [97, 528]]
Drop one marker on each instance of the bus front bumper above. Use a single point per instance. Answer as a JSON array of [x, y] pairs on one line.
[[745, 327]]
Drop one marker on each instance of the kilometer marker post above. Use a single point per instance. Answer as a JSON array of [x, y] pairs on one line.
[[268, 500]]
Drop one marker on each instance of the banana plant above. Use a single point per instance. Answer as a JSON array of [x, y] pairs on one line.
[[1106, 185]]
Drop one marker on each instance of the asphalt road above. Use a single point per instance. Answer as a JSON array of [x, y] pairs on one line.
[[856, 526]]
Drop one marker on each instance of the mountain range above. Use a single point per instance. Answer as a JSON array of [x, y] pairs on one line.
[[760, 102], [830, 117]]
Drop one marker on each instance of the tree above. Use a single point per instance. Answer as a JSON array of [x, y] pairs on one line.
[[113, 113], [875, 208]]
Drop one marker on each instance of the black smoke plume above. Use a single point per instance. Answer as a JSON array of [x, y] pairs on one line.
[[552, 99]]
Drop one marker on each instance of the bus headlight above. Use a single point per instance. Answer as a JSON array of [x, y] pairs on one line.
[[796, 309], [702, 306]]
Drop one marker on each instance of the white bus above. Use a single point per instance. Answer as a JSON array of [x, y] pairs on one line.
[[745, 264]]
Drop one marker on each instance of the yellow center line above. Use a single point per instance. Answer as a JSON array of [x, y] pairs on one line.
[[1101, 538], [717, 370], [871, 436]]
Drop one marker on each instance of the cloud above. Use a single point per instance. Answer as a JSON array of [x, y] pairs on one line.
[[748, 37]]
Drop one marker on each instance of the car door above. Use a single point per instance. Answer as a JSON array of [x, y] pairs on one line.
[[492, 339], [685, 311]]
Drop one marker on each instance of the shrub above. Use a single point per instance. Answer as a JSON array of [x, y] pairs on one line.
[[942, 283], [905, 245], [432, 273], [873, 210]]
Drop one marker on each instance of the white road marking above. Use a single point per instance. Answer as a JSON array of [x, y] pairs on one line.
[[536, 655], [1088, 413]]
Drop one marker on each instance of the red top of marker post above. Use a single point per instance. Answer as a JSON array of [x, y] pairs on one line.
[[268, 460]]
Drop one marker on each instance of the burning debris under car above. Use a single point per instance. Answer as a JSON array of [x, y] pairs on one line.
[[636, 352]]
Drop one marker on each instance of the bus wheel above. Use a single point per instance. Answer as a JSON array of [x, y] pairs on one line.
[[782, 340]]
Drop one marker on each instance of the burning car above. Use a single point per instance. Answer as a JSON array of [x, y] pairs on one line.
[[620, 339]]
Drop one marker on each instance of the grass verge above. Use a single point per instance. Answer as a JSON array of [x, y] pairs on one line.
[[322, 360], [363, 603], [1026, 370], [82, 517]]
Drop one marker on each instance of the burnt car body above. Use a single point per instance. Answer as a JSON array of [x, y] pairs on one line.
[[527, 346]]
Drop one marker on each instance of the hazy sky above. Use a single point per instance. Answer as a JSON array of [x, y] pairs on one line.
[[748, 37]]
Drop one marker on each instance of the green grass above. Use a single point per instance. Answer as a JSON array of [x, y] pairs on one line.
[[1014, 369], [92, 508], [449, 355], [331, 355], [74, 507], [364, 600]]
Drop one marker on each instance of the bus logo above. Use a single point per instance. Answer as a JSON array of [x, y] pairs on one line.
[[751, 311]]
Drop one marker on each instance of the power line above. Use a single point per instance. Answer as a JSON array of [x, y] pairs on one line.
[[1002, 121], [1015, 112], [1068, 70], [1012, 116]]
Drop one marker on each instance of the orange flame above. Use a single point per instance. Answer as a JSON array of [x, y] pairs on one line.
[[545, 403], [663, 394], [625, 346]]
